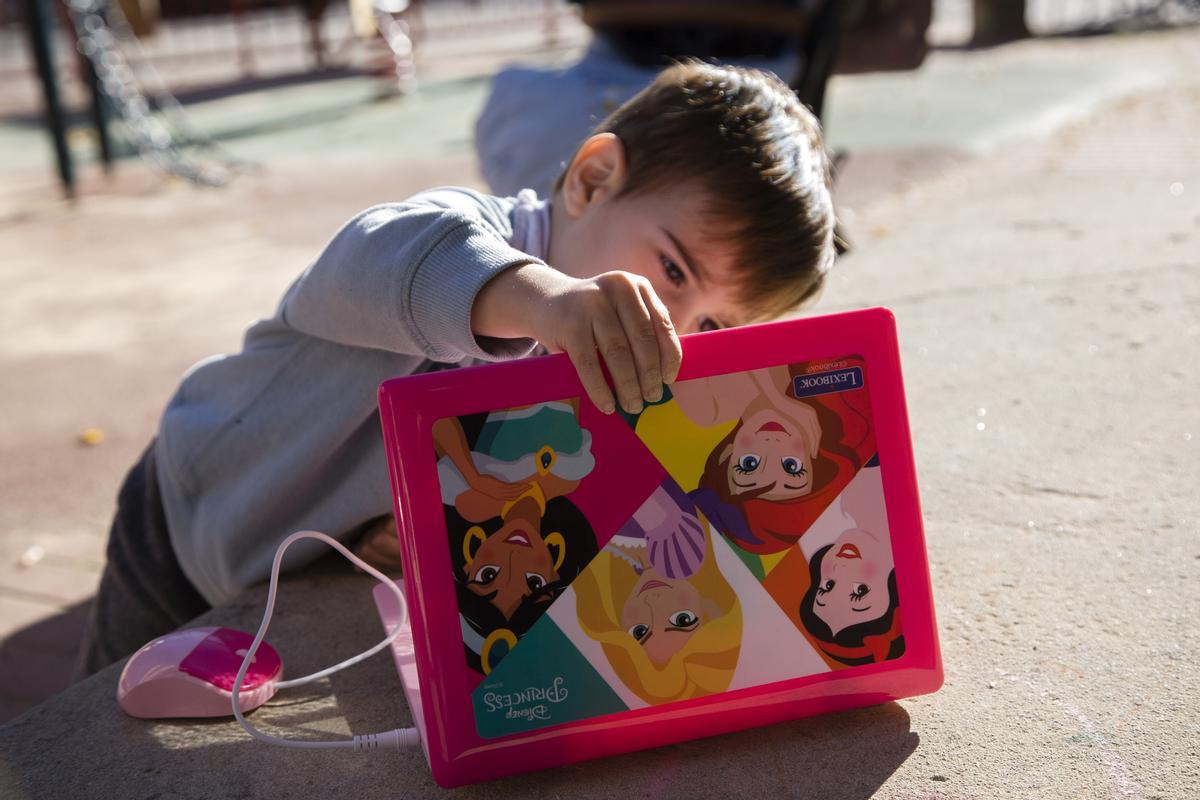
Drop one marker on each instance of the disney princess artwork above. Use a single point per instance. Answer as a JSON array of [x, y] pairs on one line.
[[655, 599], [516, 540], [770, 461], [851, 609]]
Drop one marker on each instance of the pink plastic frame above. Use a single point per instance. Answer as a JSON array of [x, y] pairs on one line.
[[457, 755]]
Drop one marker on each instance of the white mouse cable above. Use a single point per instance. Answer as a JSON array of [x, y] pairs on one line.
[[398, 739]]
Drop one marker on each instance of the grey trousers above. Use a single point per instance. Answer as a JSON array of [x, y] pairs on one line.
[[143, 592]]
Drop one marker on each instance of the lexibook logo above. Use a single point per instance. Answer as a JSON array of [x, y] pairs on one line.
[[528, 703], [827, 382]]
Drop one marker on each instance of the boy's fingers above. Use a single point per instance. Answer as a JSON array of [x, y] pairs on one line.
[[670, 352], [582, 352], [618, 357], [639, 324]]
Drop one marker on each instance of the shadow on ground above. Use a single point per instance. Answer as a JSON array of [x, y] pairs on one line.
[[37, 661]]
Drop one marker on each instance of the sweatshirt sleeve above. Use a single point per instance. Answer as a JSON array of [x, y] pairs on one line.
[[403, 277]]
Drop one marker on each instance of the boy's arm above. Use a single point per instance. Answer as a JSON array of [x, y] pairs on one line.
[[615, 315], [403, 277], [436, 277]]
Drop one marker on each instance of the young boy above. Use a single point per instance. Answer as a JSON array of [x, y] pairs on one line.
[[701, 203]]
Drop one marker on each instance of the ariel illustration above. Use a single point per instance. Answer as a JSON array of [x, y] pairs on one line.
[[785, 458], [668, 620], [515, 540], [851, 608]]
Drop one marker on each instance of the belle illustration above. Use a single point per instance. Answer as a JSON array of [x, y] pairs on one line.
[[668, 621], [515, 540], [783, 461]]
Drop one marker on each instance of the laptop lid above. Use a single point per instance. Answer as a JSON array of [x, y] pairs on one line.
[[746, 551]]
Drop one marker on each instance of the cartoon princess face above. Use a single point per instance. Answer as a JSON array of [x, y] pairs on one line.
[[662, 614], [771, 453], [513, 564], [853, 584], [668, 620]]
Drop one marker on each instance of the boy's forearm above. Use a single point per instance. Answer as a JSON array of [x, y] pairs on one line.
[[614, 316], [507, 305]]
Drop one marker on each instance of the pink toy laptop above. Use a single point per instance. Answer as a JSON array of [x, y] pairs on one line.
[[747, 551]]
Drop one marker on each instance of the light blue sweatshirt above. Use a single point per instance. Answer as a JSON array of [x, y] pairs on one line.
[[285, 435]]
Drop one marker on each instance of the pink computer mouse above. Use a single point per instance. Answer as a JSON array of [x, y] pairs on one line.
[[190, 673]]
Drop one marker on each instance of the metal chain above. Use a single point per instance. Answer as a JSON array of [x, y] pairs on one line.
[[103, 35], [166, 102]]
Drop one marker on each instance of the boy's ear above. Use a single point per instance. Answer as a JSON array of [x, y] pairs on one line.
[[596, 172]]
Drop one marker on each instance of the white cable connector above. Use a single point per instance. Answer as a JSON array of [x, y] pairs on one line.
[[398, 740], [395, 740]]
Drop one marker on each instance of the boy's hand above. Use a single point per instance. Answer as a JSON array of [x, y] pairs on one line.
[[616, 312]]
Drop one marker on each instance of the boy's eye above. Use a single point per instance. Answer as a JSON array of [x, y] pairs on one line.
[[674, 274], [709, 324], [639, 631], [747, 463], [793, 466], [683, 619], [486, 574]]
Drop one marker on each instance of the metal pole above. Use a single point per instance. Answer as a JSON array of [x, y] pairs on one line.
[[40, 30]]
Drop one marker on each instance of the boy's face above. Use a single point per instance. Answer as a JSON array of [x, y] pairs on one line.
[[665, 235]]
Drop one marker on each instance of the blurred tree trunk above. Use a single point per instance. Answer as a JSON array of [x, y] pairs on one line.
[[999, 21]]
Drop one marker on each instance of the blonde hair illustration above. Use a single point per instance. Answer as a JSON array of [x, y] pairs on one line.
[[706, 662]]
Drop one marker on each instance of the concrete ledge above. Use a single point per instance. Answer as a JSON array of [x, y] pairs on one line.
[[80, 744]]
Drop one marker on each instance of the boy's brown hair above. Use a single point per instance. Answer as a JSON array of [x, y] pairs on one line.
[[744, 137]]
